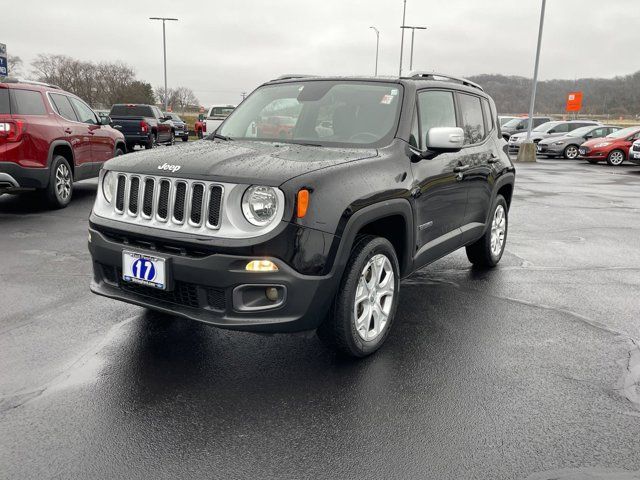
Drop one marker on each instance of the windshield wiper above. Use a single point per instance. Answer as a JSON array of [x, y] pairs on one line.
[[306, 144], [221, 137]]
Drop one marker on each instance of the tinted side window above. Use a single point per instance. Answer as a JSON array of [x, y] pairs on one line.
[[63, 106], [472, 119], [562, 128], [27, 102], [488, 118], [599, 132], [4, 100], [539, 121], [414, 138], [573, 126], [85, 114], [437, 109]]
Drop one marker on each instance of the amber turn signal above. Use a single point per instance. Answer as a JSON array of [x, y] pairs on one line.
[[303, 203]]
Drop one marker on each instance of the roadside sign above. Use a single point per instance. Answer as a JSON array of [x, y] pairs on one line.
[[574, 101], [4, 69]]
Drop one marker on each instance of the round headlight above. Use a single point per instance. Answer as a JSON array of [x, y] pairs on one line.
[[109, 185], [259, 205]]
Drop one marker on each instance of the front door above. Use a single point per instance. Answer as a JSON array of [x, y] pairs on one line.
[[77, 134], [99, 150], [439, 194]]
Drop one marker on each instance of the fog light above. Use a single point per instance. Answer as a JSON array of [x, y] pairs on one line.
[[272, 294], [261, 266]]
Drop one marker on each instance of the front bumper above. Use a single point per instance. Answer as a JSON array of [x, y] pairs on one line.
[[203, 288], [634, 157], [549, 149], [14, 177], [592, 154]]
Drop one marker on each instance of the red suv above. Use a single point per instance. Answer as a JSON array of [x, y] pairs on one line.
[[50, 138]]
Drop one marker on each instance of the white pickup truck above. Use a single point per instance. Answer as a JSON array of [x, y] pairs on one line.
[[214, 117]]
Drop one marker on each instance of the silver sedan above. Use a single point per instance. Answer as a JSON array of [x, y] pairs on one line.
[[567, 145]]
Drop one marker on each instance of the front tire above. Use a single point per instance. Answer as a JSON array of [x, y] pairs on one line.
[[185, 139], [172, 138], [60, 189], [615, 158], [571, 152], [367, 299], [151, 142], [487, 251]]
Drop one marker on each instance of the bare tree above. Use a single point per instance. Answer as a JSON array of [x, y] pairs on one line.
[[14, 63], [179, 99]]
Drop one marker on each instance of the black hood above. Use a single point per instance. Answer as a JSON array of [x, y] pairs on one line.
[[237, 161]]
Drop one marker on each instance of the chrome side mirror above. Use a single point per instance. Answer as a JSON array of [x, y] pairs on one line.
[[445, 139]]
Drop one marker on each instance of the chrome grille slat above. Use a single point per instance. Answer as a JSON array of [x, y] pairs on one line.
[[154, 200]]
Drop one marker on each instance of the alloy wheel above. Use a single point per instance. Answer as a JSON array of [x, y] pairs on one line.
[[571, 152], [616, 158], [498, 230], [374, 297], [63, 182]]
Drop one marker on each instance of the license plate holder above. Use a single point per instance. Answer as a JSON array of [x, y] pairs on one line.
[[143, 269]]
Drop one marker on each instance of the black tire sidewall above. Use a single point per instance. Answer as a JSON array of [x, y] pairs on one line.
[[346, 295]]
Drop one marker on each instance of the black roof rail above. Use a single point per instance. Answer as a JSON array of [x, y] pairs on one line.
[[29, 82], [437, 76], [289, 76]]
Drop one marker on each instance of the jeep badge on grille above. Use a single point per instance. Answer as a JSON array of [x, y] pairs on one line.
[[171, 168]]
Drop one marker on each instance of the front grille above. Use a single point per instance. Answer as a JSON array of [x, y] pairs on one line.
[[183, 294], [170, 201]]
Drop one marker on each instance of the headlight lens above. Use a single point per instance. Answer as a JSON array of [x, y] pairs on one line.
[[109, 185], [559, 143], [259, 205]]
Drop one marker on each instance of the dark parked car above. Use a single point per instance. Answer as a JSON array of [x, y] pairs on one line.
[[143, 125], [568, 145], [50, 138], [634, 153], [303, 233], [181, 128], [520, 125]]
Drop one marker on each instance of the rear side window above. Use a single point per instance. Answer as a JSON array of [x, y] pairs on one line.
[[472, 119], [561, 128], [539, 121], [488, 118], [61, 102], [4, 101], [131, 111], [437, 109], [27, 102]]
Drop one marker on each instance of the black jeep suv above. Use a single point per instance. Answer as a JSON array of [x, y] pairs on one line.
[[253, 230]]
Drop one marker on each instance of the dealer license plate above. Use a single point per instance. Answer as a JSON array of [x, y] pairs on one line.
[[144, 269]]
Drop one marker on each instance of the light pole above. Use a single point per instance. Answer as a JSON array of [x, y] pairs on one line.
[[377, 47], [164, 49], [404, 14], [535, 71], [413, 33]]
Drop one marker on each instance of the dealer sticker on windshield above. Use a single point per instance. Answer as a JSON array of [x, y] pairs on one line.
[[387, 99]]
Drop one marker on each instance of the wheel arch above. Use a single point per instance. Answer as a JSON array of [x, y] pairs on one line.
[[391, 219], [63, 148]]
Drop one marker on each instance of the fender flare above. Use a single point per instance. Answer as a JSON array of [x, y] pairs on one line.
[[57, 143], [347, 232], [119, 143]]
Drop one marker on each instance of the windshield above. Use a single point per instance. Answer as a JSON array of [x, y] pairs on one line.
[[513, 122], [545, 127], [581, 132], [625, 132], [221, 111], [324, 112]]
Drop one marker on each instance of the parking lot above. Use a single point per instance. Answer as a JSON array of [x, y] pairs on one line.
[[530, 370]]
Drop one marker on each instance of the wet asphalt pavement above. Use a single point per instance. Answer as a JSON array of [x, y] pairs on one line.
[[527, 371]]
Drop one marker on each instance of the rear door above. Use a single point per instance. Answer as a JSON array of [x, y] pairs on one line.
[[76, 133], [477, 123], [439, 197]]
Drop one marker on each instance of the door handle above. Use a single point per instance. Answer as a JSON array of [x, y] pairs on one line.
[[461, 168], [68, 130], [493, 159]]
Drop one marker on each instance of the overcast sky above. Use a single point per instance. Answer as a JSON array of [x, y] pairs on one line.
[[221, 48]]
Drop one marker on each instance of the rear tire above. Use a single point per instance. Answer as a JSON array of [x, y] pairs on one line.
[[185, 139], [487, 251], [151, 142], [172, 138], [615, 158], [366, 301], [119, 151], [60, 189], [200, 135]]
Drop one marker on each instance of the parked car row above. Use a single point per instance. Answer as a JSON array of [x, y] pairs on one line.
[[586, 139]]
